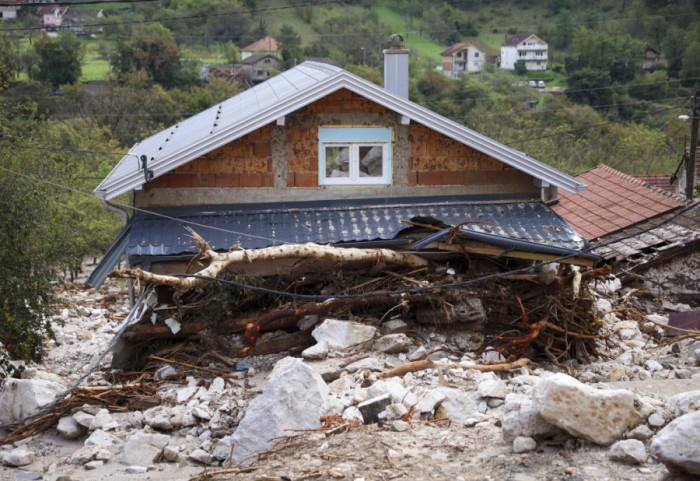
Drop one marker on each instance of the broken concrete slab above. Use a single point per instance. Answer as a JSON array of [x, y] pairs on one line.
[[292, 398]]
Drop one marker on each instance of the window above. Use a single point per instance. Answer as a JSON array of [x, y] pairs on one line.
[[354, 156], [476, 54]]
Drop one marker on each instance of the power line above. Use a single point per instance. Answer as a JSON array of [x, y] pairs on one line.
[[68, 4]]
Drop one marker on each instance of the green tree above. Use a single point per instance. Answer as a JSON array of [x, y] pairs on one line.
[[8, 67], [290, 49], [590, 86], [690, 73], [59, 60]]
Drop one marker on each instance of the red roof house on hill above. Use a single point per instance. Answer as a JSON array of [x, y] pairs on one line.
[[264, 45]]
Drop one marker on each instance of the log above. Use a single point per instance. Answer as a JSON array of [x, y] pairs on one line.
[[218, 262]]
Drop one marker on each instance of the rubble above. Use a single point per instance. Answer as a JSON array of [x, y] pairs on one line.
[[678, 444]]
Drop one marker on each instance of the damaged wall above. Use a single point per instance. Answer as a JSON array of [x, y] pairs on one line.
[[281, 162], [680, 275]]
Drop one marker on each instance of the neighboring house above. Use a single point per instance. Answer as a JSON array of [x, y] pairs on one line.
[[317, 154], [9, 12], [469, 56], [51, 17], [619, 206], [257, 67], [267, 45], [231, 74], [83, 22], [650, 58], [526, 47]]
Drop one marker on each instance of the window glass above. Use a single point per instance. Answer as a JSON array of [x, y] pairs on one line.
[[337, 161], [354, 156], [371, 161]]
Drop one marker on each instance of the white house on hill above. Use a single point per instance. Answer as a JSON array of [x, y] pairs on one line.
[[527, 47]]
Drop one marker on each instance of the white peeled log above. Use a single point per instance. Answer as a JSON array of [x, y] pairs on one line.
[[218, 261]]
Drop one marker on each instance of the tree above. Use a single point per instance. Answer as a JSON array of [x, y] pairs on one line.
[[290, 41], [520, 67], [690, 73], [8, 67], [59, 60], [591, 86]]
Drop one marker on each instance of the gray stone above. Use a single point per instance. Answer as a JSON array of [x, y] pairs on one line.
[[351, 412], [342, 334], [524, 444], [101, 418], [417, 354], [393, 343], [598, 415], [172, 454], [521, 418], [392, 326], [101, 439], [641, 432], [200, 456], [399, 394], [457, 405], [222, 449], [20, 398], [494, 388], [628, 451], [367, 364], [317, 351], [137, 469], [293, 398], [656, 420], [394, 411], [371, 408], [400, 426], [97, 464], [69, 428], [684, 403], [83, 418], [158, 417], [18, 457], [143, 449], [83, 455], [678, 444]]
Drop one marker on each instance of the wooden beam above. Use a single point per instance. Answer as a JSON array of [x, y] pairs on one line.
[[487, 250]]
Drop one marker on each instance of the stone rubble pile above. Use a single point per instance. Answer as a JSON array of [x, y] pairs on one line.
[[213, 422]]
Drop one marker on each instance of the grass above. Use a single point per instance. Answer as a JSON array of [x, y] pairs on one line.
[[420, 45]]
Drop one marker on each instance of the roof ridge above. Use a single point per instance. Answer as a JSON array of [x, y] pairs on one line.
[[643, 184]]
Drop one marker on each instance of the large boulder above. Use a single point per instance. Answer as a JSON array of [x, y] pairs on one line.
[[678, 444], [293, 398], [521, 419], [143, 448], [342, 334], [23, 397], [598, 415]]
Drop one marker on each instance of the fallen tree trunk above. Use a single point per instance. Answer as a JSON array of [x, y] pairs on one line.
[[218, 261]]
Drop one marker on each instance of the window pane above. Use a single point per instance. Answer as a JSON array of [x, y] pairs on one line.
[[337, 161], [371, 161]]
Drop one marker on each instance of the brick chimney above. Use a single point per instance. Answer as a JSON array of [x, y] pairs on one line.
[[396, 67]]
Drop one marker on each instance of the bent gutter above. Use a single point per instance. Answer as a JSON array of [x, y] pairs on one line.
[[507, 243], [125, 221]]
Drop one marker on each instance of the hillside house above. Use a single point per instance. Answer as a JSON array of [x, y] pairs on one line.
[[51, 17], [83, 22], [267, 45], [472, 55], [650, 58], [258, 67], [525, 47], [9, 10], [317, 154]]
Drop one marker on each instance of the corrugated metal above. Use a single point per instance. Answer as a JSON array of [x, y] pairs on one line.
[[280, 96], [263, 225], [111, 258]]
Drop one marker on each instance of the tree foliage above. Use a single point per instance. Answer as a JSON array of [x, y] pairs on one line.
[[59, 60]]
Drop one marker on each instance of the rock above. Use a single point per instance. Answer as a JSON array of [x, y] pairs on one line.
[[367, 364], [100, 419], [521, 418], [684, 403], [200, 456], [371, 408], [393, 412], [351, 412], [418, 354], [20, 398], [97, 464], [341, 334], [18, 457], [172, 454], [493, 388], [137, 469], [158, 417], [185, 394], [222, 449], [599, 415], [400, 426], [524, 444], [457, 404], [628, 330], [218, 385], [69, 428], [83, 455], [293, 398], [342, 384], [656, 420], [399, 394], [641, 432], [317, 351], [307, 322], [653, 366], [394, 325], [101, 439], [603, 306], [608, 287], [83, 418], [393, 343], [143, 449], [678, 444], [628, 451]]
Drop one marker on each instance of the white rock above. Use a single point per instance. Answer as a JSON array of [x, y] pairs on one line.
[[521, 418], [524, 444], [172, 454], [399, 394], [393, 343], [202, 412], [342, 384], [603, 306], [158, 417], [641, 432], [653, 366], [317, 351], [393, 325], [601, 416], [417, 354], [18, 457], [101, 418], [137, 469], [185, 394], [458, 405], [97, 464], [83, 418], [684, 403], [69, 428], [678, 444], [200, 456], [293, 398], [143, 449], [342, 334], [218, 385], [20, 398], [656, 420], [608, 287], [628, 330], [367, 364], [351, 413], [628, 451], [393, 412], [222, 449], [100, 439], [83, 455], [492, 388]]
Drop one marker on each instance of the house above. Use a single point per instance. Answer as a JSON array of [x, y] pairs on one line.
[[8, 11], [526, 47], [267, 45], [83, 22], [51, 17], [472, 55], [317, 154], [650, 58], [639, 228], [257, 67]]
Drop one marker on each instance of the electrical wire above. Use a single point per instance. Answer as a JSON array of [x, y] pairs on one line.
[[70, 4]]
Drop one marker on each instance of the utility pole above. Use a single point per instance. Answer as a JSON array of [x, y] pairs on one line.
[[690, 159]]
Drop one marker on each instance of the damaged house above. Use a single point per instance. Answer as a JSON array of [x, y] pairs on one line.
[[319, 155]]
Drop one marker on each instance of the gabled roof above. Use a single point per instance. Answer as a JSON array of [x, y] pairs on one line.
[[478, 44], [49, 10], [258, 56], [613, 201], [515, 40], [280, 96], [267, 44]]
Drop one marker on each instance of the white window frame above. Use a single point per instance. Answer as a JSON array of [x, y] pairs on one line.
[[354, 138]]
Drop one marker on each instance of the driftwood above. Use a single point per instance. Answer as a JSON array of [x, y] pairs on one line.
[[416, 366], [218, 262]]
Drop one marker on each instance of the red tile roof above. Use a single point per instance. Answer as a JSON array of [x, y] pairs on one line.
[[613, 201], [452, 49], [663, 181], [516, 39], [267, 44]]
